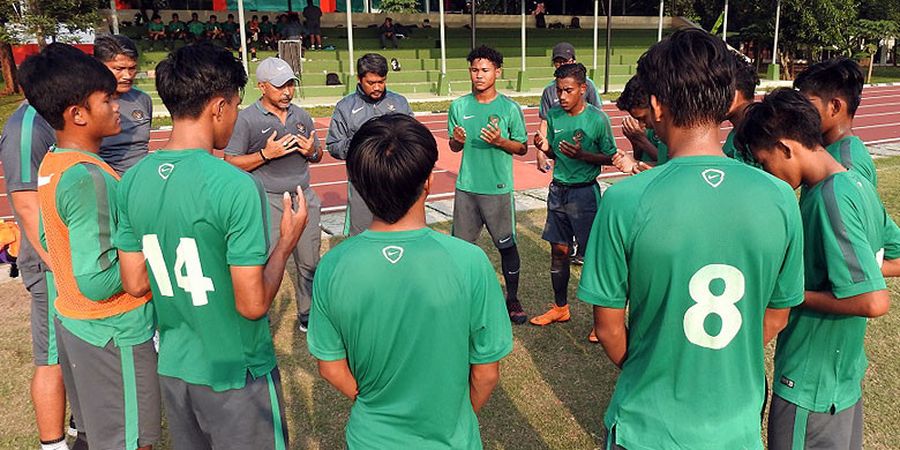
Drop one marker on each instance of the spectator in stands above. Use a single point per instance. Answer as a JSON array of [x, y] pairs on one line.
[[196, 28], [539, 12], [232, 32], [280, 24], [313, 16], [267, 32], [214, 30], [388, 33], [253, 36], [294, 29], [156, 31], [177, 29]]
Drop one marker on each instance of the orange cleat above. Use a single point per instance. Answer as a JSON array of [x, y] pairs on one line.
[[555, 314], [593, 337]]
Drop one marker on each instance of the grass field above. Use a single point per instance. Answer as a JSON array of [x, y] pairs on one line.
[[554, 386]]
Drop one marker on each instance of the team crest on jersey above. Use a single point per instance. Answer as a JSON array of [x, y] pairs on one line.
[[578, 136], [137, 115], [164, 170], [391, 107], [494, 120], [392, 253], [713, 177], [301, 129]]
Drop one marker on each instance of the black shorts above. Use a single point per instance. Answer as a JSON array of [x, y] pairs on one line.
[[313, 28], [570, 213]]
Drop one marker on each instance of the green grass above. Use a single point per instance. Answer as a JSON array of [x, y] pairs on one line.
[[554, 386], [8, 105], [886, 74]]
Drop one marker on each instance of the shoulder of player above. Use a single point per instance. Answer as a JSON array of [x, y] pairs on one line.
[[462, 100]]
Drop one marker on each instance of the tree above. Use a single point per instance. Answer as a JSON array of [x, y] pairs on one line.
[[400, 6], [869, 34]]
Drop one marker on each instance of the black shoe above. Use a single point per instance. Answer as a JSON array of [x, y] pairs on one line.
[[516, 314], [303, 322]]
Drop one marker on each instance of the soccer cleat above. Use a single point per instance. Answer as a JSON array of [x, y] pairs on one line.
[[593, 337], [555, 314], [516, 313], [72, 429]]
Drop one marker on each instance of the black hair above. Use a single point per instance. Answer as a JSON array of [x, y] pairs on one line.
[[231, 16], [839, 77], [633, 96], [107, 47], [575, 71], [692, 73], [485, 52], [192, 75], [50, 87], [213, 16], [389, 161], [746, 78], [264, 18], [156, 16], [371, 63], [783, 114]]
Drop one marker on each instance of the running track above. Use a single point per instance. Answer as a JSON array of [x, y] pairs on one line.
[[877, 122]]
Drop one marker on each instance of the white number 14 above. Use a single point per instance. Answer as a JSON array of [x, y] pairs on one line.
[[188, 271]]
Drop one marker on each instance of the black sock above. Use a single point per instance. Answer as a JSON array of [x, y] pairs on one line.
[[559, 277], [54, 441], [509, 261]]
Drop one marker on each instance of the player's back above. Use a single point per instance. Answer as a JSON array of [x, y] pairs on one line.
[[193, 216], [704, 244]]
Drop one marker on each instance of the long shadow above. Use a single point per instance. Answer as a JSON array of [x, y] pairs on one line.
[[502, 425]]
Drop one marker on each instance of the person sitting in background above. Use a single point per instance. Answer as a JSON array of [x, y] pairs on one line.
[[280, 24], [388, 32], [232, 32], [156, 31], [539, 12], [196, 28], [267, 33], [253, 36], [214, 30], [293, 30], [177, 28]]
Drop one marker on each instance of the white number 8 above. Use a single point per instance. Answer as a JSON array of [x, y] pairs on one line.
[[709, 303]]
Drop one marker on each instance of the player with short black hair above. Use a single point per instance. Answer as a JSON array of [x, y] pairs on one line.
[[201, 225], [835, 88], [745, 79], [850, 245], [638, 126], [416, 349], [371, 99], [580, 140], [702, 238], [104, 334], [488, 128]]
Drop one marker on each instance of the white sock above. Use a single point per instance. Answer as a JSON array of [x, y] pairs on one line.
[[60, 445]]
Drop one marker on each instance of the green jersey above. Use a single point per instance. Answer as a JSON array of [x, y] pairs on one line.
[[698, 249], [157, 27], [731, 151], [196, 27], [265, 27], [662, 150], [193, 216], [177, 26], [229, 27], [820, 360], [86, 202], [213, 26], [851, 152], [379, 302], [591, 129], [486, 169]]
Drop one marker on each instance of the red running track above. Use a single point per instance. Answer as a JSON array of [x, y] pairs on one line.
[[877, 122]]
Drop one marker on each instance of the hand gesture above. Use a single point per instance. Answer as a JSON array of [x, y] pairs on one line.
[[277, 148], [491, 134], [293, 221], [573, 151], [540, 142], [459, 134], [543, 163], [631, 127], [305, 145]]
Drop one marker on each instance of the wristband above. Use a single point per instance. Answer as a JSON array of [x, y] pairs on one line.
[[314, 155], [263, 156]]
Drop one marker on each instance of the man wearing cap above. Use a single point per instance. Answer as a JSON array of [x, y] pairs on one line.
[[276, 141], [563, 53], [371, 99]]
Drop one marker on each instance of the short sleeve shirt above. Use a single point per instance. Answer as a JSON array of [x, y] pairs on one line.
[[379, 302], [820, 358], [132, 143], [697, 249], [549, 99], [193, 216], [486, 169], [590, 128], [252, 130], [662, 150], [851, 152]]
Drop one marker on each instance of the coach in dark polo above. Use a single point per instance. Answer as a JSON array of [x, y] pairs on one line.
[[276, 141]]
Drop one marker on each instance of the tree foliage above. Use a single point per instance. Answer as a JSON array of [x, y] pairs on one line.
[[45, 18]]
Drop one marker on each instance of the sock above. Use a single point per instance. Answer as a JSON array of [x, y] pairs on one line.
[[509, 261], [559, 277], [55, 444]]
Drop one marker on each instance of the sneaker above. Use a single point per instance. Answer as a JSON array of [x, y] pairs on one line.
[[577, 260], [516, 313], [72, 429], [555, 314], [592, 338], [254, 60], [303, 322]]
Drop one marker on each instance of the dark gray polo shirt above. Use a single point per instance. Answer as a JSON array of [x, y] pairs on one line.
[[353, 111], [251, 132], [131, 144], [25, 140]]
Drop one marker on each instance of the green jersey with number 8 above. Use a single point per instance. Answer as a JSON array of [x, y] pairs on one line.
[[194, 215], [698, 249]]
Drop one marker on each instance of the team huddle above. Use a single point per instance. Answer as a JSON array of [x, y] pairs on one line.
[[152, 273]]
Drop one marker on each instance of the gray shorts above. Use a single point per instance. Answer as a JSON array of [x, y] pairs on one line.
[[250, 418], [570, 213], [306, 253], [357, 217], [794, 428], [472, 212], [113, 391], [43, 328]]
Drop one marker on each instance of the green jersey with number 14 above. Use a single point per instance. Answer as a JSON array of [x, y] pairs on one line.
[[698, 248], [194, 215]]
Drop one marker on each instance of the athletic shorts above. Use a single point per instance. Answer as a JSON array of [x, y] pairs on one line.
[[472, 212], [43, 328], [249, 418], [570, 213], [358, 217], [113, 391], [792, 427], [313, 28]]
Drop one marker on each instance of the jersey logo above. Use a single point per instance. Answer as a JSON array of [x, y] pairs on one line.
[[137, 114], [392, 253], [468, 117], [558, 131], [301, 129], [266, 130], [357, 110], [713, 177], [165, 170], [391, 107], [494, 120], [43, 181], [578, 136]]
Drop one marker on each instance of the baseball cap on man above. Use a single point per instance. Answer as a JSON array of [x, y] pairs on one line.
[[275, 71], [563, 50]]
